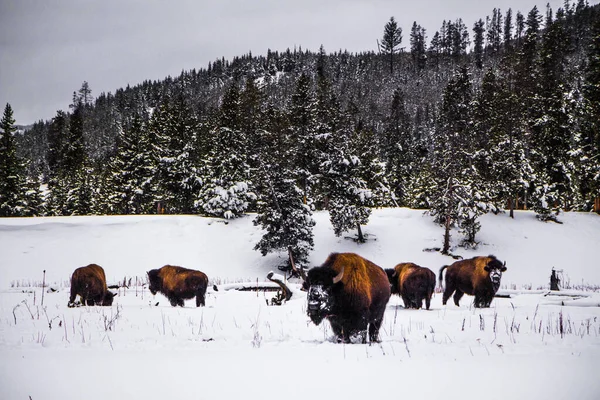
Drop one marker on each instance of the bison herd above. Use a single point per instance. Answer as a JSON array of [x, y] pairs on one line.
[[348, 290]]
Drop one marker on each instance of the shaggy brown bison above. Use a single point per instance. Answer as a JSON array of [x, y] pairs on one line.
[[178, 284], [477, 276], [351, 292], [90, 284], [413, 283]]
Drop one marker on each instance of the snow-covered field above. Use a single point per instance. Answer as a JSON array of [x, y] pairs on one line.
[[527, 346]]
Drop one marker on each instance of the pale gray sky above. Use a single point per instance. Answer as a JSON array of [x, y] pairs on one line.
[[49, 47]]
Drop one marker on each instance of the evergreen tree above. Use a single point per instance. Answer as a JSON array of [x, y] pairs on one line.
[[398, 147], [494, 32], [590, 123], [287, 222], [392, 39], [418, 47], [13, 201], [302, 117], [458, 193], [175, 126], [551, 129], [478, 30], [228, 189], [130, 187]]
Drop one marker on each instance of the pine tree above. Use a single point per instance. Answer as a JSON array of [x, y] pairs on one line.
[[13, 201], [228, 189], [590, 123], [303, 126], [478, 30], [494, 32], [398, 147], [130, 187], [174, 125], [287, 222], [418, 49], [458, 191], [551, 129], [392, 38]]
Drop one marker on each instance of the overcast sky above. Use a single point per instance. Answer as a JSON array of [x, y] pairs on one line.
[[49, 47]]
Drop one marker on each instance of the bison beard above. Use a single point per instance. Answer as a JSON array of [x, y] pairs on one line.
[[478, 276], [413, 283], [351, 292], [178, 284], [89, 283]]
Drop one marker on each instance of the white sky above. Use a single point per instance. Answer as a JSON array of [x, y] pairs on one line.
[[48, 48]]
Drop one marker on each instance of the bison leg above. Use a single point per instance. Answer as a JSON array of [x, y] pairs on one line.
[[407, 302], [482, 301], [457, 297], [173, 301], [374, 327], [427, 301], [72, 297], [447, 293], [180, 302], [200, 300]]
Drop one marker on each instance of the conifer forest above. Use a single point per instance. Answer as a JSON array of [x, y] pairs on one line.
[[494, 117]]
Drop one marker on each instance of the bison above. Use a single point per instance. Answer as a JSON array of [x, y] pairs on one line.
[[413, 283], [178, 283], [477, 276], [89, 283], [351, 292]]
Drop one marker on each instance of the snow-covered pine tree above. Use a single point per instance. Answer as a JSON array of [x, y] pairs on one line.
[[458, 191], [302, 116], [286, 221], [399, 148], [174, 125], [500, 149], [551, 129], [228, 190], [589, 121], [130, 187], [349, 197], [13, 187]]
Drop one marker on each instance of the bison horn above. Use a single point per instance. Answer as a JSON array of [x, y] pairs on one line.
[[338, 277]]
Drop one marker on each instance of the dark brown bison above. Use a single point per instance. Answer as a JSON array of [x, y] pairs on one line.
[[477, 276], [178, 284], [351, 292], [90, 284], [413, 283]]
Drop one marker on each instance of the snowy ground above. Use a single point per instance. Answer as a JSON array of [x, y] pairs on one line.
[[527, 346]]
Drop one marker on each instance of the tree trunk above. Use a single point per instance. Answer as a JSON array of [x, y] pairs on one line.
[[361, 238], [511, 205], [446, 247]]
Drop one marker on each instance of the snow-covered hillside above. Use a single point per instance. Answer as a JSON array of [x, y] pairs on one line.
[[531, 345]]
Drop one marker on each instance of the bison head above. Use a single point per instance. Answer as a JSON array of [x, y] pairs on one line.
[[108, 298], [393, 278], [320, 283], [495, 268], [155, 282]]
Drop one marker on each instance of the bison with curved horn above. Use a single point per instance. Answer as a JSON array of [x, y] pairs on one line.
[[477, 276], [178, 284], [351, 292], [413, 283], [89, 283]]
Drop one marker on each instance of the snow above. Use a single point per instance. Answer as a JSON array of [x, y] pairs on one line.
[[531, 344]]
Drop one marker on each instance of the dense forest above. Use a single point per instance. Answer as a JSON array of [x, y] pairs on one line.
[[503, 115]]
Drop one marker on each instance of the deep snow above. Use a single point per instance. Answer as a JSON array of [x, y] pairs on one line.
[[239, 346]]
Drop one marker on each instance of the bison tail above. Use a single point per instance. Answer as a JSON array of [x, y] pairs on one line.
[[441, 275]]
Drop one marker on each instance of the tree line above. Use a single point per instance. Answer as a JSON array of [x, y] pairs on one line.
[[510, 120]]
